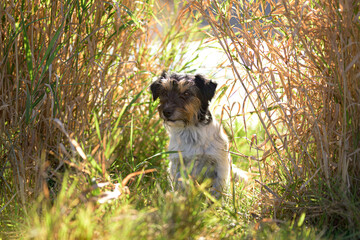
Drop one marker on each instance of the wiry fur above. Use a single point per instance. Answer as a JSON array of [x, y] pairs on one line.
[[199, 140], [203, 149]]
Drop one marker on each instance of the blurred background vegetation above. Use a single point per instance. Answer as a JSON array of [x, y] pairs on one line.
[[76, 114]]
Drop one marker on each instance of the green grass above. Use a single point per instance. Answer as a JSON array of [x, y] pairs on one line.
[[150, 212], [75, 110]]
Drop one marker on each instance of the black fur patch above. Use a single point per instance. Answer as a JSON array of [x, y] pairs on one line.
[[155, 88], [206, 87], [206, 93]]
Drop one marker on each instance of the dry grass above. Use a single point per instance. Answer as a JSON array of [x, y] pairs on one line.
[[299, 65], [72, 81], [71, 77]]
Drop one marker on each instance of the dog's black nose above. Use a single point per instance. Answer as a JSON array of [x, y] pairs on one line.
[[167, 113]]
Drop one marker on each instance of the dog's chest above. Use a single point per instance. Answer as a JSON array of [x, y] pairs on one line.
[[198, 141]]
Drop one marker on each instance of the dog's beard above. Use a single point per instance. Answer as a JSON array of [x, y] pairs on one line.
[[181, 122], [175, 123]]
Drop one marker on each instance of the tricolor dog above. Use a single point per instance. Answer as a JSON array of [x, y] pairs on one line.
[[199, 141]]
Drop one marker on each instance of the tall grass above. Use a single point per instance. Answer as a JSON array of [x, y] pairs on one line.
[[72, 82], [74, 113], [298, 63]]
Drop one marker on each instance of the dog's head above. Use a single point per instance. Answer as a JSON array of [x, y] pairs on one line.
[[184, 98]]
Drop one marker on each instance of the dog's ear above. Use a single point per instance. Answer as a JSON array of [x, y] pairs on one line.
[[155, 88], [207, 87]]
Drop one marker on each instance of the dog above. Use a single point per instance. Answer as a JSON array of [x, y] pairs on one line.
[[199, 142]]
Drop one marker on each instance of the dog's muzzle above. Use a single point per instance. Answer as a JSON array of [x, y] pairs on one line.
[[167, 113]]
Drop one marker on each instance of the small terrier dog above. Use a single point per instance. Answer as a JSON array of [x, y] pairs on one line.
[[201, 141]]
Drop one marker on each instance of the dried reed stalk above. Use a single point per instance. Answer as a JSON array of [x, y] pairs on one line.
[[71, 73], [299, 64]]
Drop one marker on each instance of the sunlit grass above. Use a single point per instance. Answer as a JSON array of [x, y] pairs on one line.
[[75, 112], [293, 66]]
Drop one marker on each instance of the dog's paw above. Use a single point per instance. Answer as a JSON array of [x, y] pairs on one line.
[[240, 175]]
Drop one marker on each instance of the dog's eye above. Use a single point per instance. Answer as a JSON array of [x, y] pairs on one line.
[[187, 93]]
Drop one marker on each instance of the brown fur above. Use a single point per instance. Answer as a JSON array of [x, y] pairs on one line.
[[192, 109], [182, 98], [184, 103]]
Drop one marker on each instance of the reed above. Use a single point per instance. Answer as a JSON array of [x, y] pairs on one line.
[[298, 63], [74, 111], [72, 81]]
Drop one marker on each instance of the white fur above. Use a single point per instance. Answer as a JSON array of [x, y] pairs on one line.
[[204, 144]]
